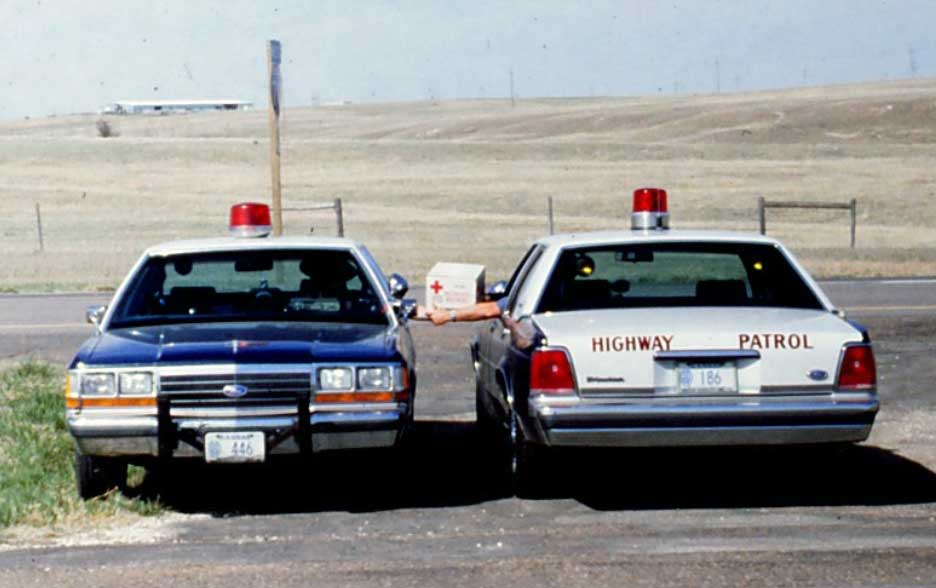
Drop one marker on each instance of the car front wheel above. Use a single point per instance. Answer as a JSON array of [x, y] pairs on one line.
[[98, 475]]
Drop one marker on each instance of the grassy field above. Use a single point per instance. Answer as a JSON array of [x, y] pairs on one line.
[[37, 483], [468, 180]]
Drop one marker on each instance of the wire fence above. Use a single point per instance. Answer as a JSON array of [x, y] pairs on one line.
[[336, 206], [851, 206]]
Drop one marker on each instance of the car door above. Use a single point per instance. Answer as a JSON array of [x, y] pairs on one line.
[[497, 336], [487, 330]]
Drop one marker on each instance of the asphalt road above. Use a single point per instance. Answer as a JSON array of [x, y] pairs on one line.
[[50, 327], [429, 515]]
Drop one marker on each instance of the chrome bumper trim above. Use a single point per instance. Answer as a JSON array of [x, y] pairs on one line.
[[705, 436], [747, 422]]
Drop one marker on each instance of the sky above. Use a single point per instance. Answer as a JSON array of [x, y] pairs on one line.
[[68, 56]]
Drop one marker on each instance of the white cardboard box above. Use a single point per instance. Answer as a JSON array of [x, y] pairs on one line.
[[453, 285]]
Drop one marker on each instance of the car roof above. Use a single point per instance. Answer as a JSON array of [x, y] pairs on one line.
[[222, 244], [652, 236]]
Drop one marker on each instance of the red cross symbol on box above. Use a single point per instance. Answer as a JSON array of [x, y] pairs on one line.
[[436, 287]]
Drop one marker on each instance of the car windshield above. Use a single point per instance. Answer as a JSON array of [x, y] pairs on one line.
[[301, 285], [675, 274]]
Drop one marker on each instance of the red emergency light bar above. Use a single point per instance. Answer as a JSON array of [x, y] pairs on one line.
[[250, 219], [650, 209]]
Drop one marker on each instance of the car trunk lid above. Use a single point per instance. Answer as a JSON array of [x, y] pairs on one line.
[[739, 350]]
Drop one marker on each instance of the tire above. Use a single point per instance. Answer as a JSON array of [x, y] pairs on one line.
[[528, 470], [98, 475], [495, 450]]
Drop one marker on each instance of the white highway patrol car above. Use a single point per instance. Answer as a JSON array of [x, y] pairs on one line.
[[238, 349], [652, 337]]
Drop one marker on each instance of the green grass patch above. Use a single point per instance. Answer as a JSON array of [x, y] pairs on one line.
[[37, 480]]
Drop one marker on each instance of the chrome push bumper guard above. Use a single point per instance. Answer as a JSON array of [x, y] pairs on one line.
[[305, 431]]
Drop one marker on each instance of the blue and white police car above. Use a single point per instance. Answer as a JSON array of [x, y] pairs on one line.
[[652, 337], [237, 349]]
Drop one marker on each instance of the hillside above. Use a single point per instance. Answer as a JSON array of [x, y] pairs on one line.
[[468, 180]]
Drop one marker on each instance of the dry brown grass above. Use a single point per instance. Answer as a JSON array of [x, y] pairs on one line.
[[468, 180]]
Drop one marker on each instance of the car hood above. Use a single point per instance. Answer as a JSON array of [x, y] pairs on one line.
[[241, 343]]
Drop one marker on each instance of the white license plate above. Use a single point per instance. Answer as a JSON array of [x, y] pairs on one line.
[[708, 378], [239, 447]]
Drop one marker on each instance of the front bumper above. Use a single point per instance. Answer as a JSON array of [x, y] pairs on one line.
[[128, 434], [749, 421]]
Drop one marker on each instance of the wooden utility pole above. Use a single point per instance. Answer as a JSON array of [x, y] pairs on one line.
[[274, 58], [513, 95]]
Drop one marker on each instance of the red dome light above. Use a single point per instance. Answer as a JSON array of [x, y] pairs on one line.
[[250, 219], [651, 209]]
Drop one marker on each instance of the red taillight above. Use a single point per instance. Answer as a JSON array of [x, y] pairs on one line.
[[250, 219], [858, 371], [551, 373]]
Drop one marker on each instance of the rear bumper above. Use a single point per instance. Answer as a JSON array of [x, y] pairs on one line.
[[774, 421], [139, 435]]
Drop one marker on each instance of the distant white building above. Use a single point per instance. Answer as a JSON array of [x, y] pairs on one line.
[[173, 106]]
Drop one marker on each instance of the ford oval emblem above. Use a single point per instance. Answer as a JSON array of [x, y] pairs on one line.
[[234, 390], [818, 375]]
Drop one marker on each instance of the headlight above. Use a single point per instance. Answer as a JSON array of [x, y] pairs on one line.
[[335, 379], [98, 385], [374, 378], [136, 383]]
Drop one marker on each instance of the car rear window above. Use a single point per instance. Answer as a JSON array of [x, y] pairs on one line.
[[675, 274], [302, 285]]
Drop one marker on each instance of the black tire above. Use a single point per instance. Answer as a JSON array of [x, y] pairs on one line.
[[529, 473], [495, 449], [98, 475]]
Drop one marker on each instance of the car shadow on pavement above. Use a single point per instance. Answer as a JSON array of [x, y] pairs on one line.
[[437, 466], [442, 464], [743, 477]]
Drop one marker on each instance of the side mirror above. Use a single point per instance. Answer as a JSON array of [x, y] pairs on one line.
[[405, 309], [496, 291], [94, 314], [398, 286]]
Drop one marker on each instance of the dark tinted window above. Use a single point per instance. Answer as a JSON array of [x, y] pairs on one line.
[[675, 274], [250, 286]]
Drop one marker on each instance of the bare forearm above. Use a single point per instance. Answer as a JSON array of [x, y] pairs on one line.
[[478, 312]]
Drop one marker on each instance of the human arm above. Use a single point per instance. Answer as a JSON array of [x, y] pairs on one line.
[[476, 312]]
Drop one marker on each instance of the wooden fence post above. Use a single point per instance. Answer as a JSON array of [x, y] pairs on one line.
[[854, 219], [39, 227], [550, 207], [762, 215], [339, 216]]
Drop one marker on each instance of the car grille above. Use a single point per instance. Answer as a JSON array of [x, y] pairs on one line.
[[264, 390]]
